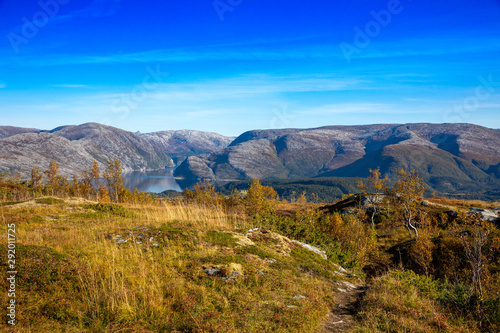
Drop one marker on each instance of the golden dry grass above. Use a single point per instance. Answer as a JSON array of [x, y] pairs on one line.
[[138, 287]]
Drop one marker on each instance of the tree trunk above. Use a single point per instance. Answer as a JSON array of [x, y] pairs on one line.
[[408, 227], [414, 229]]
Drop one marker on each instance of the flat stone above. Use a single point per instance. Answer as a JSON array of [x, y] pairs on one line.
[[312, 249], [213, 271], [340, 268], [349, 285]]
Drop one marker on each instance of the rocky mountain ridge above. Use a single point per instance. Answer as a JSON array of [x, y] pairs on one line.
[[183, 143], [76, 147], [447, 156]]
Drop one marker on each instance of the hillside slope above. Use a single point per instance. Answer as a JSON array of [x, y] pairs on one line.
[[6, 131], [450, 157], [183, 143], [76, 147]]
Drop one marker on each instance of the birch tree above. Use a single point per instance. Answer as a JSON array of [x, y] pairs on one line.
[[405, 195]]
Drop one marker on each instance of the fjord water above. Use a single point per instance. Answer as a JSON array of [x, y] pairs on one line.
[[155, 181]]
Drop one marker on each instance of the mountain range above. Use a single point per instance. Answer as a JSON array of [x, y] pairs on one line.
[[449, 157], [183, 143], [76, 147]]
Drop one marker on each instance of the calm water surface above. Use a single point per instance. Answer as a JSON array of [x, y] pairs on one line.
[[155, 181]]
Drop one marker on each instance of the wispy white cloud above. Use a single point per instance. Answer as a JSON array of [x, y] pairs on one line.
[[257, 51], [247, 86], [270, 52], [489, 106], [70, 85], [364, 108], [175, 55], [98, 8], [438, 46]]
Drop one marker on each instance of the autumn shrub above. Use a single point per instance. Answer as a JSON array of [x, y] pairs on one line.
[[449, 259], [357, 240], [260, 200], [204, 194], [421, 250], [110, 208]]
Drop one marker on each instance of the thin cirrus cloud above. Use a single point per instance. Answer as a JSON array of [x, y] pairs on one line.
[[256, 52], [98, 8], [171, 55], [70, 85], [248, 86], [364, 108], [429, 46]]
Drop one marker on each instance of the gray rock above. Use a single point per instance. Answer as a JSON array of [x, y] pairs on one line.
[[486, 214], [213, 271], [312, 248]]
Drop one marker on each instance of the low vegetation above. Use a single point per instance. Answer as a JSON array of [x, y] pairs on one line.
[[94, 257]]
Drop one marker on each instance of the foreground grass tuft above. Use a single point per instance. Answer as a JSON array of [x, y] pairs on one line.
[[407, 302]]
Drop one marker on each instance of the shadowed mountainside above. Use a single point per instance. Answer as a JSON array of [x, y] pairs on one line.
[[449, 157], [6, 131], [76, 147]]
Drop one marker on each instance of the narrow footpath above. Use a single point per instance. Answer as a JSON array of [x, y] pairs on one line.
[[342, 317]]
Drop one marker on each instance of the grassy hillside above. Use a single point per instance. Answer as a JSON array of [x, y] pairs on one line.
[[243, 263], [87, 267]]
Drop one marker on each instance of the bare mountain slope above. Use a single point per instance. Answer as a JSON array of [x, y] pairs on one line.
[[6, 131], [76, 147], [22, 152], [183, 143], [103, 142], [448, 155]]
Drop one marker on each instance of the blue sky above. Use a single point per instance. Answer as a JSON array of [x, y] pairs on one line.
[[233, 65]]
